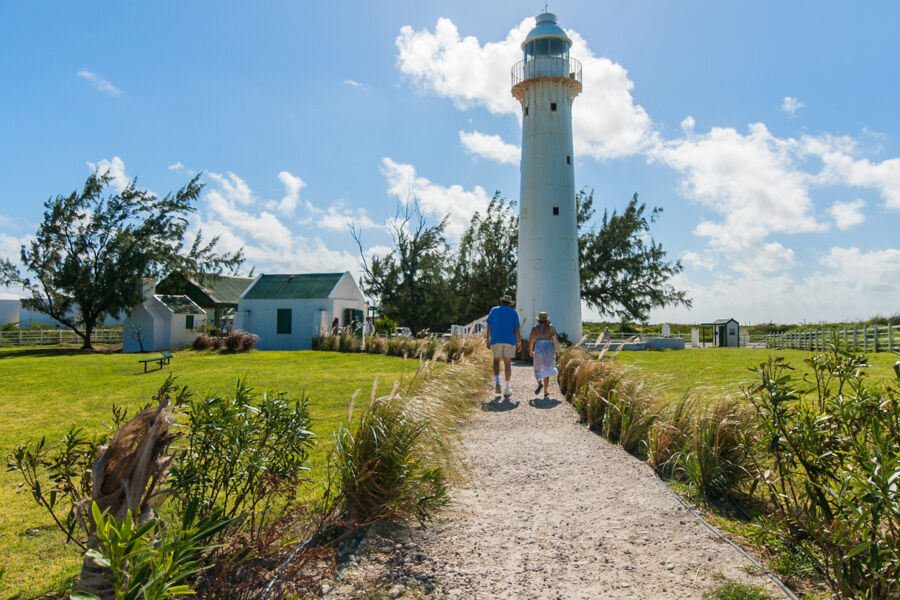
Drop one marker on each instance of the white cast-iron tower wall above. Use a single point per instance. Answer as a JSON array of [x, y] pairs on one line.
[[548, 276]]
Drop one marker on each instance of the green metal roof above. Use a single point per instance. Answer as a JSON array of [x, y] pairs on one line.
[[281, 287], [180, 305], [226, 290]]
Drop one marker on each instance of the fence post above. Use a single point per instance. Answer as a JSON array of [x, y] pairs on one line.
[[865, 339], [875, 336], [890, 337], [20, 337]]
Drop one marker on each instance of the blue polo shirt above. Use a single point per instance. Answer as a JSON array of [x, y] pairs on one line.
[[504, 320]]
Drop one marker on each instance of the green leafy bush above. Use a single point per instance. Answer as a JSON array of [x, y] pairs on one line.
[[829, 458], [147, 561], [241, 453]]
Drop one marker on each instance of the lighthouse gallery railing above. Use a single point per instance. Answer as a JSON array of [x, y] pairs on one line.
[[546, 66]]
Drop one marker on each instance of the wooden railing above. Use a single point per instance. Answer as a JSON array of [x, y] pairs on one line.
[[868, 338]]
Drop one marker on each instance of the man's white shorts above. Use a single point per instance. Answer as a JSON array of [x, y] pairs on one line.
[[503, 350]]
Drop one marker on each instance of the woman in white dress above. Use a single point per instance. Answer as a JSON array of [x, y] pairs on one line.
[[543, 351]]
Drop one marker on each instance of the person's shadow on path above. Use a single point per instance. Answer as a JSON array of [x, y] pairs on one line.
[[544, 403], [499, 404]]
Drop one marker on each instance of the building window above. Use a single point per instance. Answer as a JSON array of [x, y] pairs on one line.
[[553, 107], [283, 325], [526, 111], [555, 210], [568, 159], [189, 321]]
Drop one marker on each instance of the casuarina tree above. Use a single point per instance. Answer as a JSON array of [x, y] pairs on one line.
[[622, 272], [93, 247]]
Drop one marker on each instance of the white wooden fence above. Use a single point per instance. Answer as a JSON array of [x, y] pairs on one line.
[[868, 338], [45, 337]]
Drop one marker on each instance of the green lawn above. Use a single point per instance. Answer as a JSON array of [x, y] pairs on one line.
[[711, 372], [46, 390]]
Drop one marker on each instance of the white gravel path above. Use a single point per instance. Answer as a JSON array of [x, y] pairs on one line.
[[550, 510]]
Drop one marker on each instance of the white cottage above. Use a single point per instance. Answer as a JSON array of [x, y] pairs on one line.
[[161, 321], [286, 311]]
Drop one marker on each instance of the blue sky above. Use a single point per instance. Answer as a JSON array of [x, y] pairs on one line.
[[767, 131]]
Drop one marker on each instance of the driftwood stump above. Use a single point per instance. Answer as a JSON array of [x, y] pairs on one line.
[[126, 476]]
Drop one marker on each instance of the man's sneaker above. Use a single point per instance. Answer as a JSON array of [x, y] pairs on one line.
[[497, 387], [507, 393]]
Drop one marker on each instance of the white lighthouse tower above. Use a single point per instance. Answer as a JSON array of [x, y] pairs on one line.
[[546, 83]]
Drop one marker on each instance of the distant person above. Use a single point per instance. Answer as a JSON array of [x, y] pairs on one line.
[[503, 340], [370, 327], [543, 351], [335, 326]]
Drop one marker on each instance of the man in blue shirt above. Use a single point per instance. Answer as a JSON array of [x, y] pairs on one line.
[[503, 340]]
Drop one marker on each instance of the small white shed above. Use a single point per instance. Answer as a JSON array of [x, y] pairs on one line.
[[286, 311], [726, 333], [161, 322]]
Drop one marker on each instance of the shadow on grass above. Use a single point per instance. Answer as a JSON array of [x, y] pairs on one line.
[[499, 404], [56, 350]]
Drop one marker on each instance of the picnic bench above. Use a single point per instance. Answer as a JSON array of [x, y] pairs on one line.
[[162, 360]]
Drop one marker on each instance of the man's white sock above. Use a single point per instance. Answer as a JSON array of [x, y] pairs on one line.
[[507, 384]]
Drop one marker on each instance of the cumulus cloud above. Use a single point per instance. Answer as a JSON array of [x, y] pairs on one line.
[[790, 105], [607, 123], [842, 166], [176, 167], [847, 214], [435, 200], [355, 84], [231, 210], [844, 284], [491, 147], [115, 168], [752, 183], [292, 187], [99, 83]]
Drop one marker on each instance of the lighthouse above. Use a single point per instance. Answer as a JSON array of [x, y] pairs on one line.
[[545, 83]]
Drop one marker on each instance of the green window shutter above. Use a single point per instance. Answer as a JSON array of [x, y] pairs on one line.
[[284, 321], [189, 322]]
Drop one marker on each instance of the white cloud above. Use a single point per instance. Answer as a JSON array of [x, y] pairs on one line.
[[99, 83], [752, 183], [115, 168], [176, 167], [491, 147], [338, 218], [790, 105], [436, 201], [292, 187], [354, 84], [842, 167], [847, 284], [847, 214], [231, 210], [607, 123]]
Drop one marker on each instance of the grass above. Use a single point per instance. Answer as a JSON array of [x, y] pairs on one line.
[[712, 372], [47, 390]]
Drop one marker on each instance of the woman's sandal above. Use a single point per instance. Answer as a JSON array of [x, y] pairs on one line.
[[539, 387]]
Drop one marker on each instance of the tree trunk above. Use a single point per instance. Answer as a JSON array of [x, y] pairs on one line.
[[88, 332]]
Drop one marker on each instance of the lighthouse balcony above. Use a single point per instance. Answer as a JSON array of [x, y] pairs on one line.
[[535, 67]]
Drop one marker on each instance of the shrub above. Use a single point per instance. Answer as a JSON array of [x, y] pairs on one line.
[[348, 342], [829, 458], [376, 345], [669, 434], [240, 341], [202, 342], [241, 454]]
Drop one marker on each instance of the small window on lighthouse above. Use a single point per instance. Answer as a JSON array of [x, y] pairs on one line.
[[526, 111], [568, 159], [555, 210], [553, 107]]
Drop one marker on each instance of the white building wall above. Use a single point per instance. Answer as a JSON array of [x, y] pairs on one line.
[[141, 319], [260, 317], [179, 335], [548, 278]]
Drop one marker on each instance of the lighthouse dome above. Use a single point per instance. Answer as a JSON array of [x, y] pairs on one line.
[[546, 28]]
